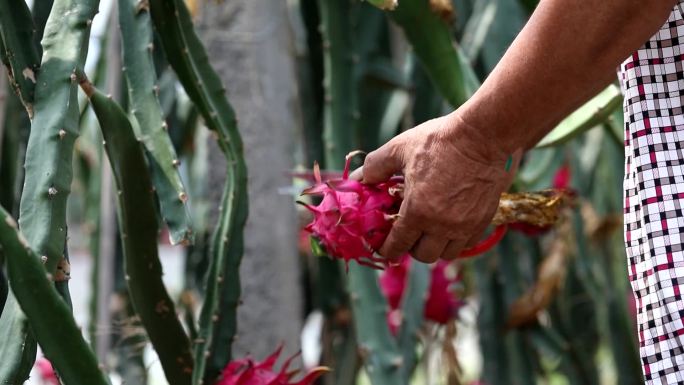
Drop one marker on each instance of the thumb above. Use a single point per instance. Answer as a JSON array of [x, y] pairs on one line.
[[380, 164]]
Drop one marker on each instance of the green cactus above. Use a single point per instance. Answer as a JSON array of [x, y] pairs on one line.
[[49, 316], [48, 161], [591, 114], [340, 112], [339, 121], [187, 56], [17, 31], [139, 231], [41, 11], [412, 310], [148, 122], [431, 40], [379, 350]]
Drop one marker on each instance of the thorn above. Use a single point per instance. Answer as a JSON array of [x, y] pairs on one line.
[[52, 191], [43, 259], [62, 134], [183, 197], [176, 163]]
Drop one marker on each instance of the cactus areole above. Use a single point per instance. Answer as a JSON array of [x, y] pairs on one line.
[[353, 219]]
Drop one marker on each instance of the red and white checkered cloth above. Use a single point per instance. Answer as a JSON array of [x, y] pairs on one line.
[[653, 83]]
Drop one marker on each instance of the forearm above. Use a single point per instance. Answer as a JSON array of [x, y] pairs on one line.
[[567, 52]]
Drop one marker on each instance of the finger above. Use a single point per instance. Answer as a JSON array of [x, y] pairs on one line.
[[478, 234], [453, 249], [400, 240], [382, 163], [357, 174], [429, 248]]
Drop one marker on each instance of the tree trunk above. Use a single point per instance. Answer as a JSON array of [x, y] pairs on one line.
[[250, 45]]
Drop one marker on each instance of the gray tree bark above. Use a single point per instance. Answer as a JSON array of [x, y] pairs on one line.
[[249, 42]]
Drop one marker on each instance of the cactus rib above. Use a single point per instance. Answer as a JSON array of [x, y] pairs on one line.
[[49, 316], [16, 29], [138, 225], [49, 152], [149, 125], [188, 58]]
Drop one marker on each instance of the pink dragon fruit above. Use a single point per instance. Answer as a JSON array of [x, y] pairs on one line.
[[441, 304], [353, 219], [248, 372], [45, 371]]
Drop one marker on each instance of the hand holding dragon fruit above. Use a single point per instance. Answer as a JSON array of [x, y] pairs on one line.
[[353, 218]]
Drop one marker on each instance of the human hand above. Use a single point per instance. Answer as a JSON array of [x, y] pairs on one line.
[[453, 176]]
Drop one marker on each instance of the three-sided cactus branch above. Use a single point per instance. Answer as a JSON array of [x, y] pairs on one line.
[[139, 231]]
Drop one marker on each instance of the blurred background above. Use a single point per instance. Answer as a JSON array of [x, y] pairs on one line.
[[310, 81]]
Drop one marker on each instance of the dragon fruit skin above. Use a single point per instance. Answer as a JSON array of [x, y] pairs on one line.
[[248, 372], [353, 219], [45, 371], [441, 304]]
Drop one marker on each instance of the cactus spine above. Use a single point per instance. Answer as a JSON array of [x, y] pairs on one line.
[[187, 56], [138, 226], [148, 122], [49, 316]]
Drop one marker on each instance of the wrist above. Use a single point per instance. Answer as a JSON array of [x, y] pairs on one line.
[[477, 142]]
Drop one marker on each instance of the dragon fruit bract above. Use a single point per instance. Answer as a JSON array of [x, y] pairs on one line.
[[353, 219], [248, 372]]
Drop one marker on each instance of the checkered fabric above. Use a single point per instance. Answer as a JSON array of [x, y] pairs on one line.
[[653, 83]]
